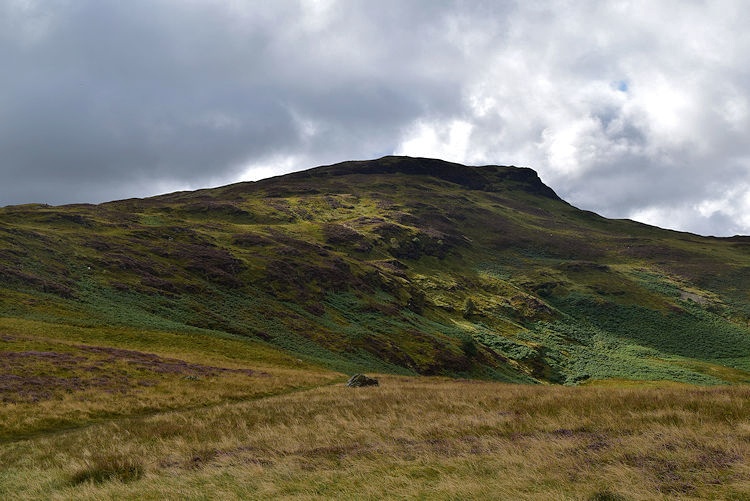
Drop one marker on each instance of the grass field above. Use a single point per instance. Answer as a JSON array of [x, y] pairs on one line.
[[240, 420]]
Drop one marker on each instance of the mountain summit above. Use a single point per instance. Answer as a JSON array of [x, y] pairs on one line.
[[401, 265], [486, 178]]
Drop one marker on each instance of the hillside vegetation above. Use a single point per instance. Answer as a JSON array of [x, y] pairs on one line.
[[398, 265], [195, 345]]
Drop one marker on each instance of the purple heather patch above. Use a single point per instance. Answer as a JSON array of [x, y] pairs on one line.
[[34, 375]]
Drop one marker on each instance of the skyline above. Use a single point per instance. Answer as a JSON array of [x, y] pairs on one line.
[[629, 109]]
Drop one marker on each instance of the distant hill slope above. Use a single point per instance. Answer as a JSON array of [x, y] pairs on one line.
[[402, 265]]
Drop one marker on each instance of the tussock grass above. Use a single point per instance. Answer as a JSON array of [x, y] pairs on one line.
[[58, 376], [409, 438], [108, 468]]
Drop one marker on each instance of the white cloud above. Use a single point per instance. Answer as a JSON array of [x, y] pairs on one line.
[[448, 141], [273, 166], [626, 108]]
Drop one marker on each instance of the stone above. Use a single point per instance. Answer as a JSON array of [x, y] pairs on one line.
[[359, 380]]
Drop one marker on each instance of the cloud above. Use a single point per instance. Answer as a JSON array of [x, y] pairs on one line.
[[631, 109], [114, 94]]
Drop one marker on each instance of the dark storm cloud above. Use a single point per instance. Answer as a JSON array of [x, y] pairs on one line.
[[116, 94], [632, 109]]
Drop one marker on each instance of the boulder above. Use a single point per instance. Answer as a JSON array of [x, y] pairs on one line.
[[359, 380]]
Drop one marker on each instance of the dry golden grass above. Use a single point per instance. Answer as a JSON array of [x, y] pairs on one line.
[[56, 377], [410, 438]]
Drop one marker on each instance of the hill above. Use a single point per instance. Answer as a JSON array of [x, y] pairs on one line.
[[397, 265]]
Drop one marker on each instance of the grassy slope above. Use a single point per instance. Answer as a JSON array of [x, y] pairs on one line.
[[399, 265], [188, 345], [133, 414], [57, 377]]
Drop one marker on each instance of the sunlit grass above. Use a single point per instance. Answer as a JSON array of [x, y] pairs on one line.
[[408, 438], [207, 347], [64, 377]]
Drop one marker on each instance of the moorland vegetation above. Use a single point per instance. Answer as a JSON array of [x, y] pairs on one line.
[[196, 344]]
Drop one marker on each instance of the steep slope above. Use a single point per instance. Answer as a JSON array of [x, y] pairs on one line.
[[402, 265]]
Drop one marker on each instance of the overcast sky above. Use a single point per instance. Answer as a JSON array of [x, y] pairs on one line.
[[630, 109]]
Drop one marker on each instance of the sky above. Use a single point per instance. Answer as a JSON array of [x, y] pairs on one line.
[[632, 109]]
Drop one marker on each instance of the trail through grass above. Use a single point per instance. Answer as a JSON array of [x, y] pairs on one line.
[[57, 377]]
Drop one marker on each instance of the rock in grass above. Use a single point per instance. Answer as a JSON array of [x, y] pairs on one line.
[[359, 380]]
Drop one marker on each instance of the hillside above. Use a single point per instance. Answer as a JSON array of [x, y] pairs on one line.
[[398, 265]]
